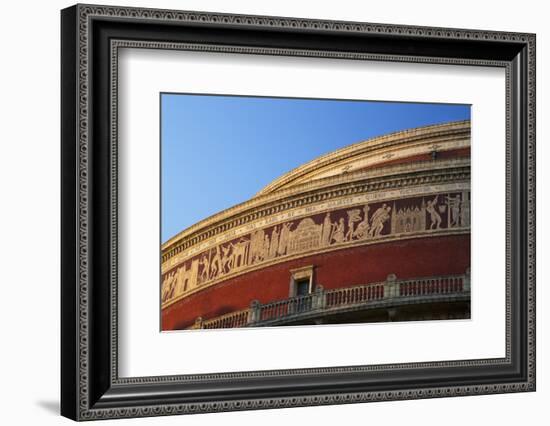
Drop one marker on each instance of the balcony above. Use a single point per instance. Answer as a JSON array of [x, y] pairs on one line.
[[348, 302]]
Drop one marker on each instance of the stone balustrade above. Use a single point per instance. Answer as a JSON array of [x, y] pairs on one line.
[[391, 292]]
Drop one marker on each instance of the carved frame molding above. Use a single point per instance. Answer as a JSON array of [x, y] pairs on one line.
[[91, 388]]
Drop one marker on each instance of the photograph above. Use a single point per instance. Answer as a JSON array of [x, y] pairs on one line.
[[279, 211]]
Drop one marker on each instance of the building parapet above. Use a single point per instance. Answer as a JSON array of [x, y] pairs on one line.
[[321, 302]]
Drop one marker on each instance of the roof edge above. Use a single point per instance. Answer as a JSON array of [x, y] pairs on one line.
[[358, 148]]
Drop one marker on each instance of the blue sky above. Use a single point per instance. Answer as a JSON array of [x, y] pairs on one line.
[[218, 151]]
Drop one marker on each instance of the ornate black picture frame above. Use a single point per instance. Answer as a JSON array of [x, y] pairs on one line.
[[91, 387]]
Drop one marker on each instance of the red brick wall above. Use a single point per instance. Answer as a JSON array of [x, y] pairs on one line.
[[342, 268]]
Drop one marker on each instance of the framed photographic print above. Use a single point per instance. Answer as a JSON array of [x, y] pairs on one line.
[[263, 212]]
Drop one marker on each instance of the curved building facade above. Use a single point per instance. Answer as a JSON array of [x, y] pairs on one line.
[[376, 231]]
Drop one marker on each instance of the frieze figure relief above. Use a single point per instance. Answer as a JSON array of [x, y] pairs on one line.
[[362, 230], [327, 231], [435, 217], [274, 243], [465, 209], [257, 246], [179, 280], [227, 258], [284, 239], [265, 248], [338, 232], [205, 263], [168, 286], [453, 208], [215, 266], [379, 218], [354, 215]]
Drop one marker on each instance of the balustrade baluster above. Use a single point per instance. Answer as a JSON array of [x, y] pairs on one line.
[[341, 297]]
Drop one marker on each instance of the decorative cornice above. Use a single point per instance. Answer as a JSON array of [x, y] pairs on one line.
[[425, 135], [390, 177]]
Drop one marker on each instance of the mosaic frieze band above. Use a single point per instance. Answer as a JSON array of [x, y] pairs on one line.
[[364, 219], [246, 218]]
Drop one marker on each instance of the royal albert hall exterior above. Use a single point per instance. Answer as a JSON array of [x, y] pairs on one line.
[[376, 231]]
